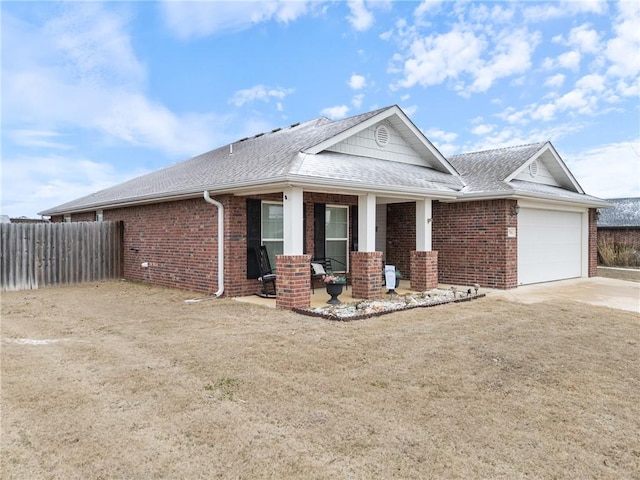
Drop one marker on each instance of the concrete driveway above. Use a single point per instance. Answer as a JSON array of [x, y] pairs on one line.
[[600, 291]]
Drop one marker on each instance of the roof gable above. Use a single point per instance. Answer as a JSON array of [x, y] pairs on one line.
[[547, 168], [411, 144]]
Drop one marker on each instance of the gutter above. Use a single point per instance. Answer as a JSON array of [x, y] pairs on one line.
[[220, 242]]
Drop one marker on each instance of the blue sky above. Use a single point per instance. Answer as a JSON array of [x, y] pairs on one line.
[[96, 93]]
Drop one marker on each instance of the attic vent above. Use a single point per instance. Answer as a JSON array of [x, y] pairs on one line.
[[382, 135], [533, 169]]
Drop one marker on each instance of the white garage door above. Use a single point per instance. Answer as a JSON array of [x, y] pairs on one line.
[[549, 245]]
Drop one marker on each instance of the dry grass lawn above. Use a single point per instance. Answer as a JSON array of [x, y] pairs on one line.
[[121, 380]]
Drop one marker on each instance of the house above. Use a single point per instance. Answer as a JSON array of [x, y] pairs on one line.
[[619, 232], [366, 190]]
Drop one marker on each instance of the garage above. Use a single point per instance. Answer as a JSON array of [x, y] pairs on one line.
[[550, 245]]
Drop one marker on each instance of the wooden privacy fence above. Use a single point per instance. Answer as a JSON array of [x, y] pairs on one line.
[[43, 254]]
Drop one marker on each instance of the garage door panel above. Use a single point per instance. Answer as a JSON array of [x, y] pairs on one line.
[[549, 245]]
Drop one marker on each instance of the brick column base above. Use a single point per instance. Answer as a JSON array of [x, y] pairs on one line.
[[293, 287], [424, 270], [366, 275]]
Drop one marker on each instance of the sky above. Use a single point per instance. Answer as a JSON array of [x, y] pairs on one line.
[[94, 94]]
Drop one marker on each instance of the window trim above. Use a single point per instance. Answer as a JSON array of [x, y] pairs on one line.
[[262, 237], [341, 239]]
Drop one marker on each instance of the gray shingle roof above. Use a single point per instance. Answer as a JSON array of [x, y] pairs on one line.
[[625, 213], [279, 156], [486, 171], [270, 157]]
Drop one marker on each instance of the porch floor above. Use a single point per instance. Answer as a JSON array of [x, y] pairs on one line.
[[320, 297]]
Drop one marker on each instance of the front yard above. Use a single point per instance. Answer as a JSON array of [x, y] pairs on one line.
[[121, 380]]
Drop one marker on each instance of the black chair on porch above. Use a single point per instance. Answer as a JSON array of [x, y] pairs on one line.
[[267, 274], [324, 266]]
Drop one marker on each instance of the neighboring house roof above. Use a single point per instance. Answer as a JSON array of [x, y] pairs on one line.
[[625, 213], [326, 155], [534, 170]]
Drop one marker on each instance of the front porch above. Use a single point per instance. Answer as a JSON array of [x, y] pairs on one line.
[[366, 274], [320, 296]]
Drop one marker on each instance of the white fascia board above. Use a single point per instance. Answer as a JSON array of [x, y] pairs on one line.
[[590, 202], [310, 183], [123, 203]]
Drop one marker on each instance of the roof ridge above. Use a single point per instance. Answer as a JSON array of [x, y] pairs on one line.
[[500, 148], [316, 119]]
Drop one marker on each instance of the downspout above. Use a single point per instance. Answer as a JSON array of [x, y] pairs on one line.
[[220, 241]]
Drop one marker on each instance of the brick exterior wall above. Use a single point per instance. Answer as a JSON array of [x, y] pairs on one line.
[[294, 282], [366, 275], [178, 240], [401, 236], [472, 244], [424, 270]]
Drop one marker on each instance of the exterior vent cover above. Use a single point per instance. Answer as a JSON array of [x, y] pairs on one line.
[[382, 135], [533, 169]]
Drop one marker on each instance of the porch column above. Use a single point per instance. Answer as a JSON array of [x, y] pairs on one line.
[[367, 223], [423, 225], [424, 270], [366, 275], [293, 287], [293, 210]]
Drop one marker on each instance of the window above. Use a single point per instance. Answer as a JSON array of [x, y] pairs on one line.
[[337, 235], [272, 229], [99, 216], [67, 219]]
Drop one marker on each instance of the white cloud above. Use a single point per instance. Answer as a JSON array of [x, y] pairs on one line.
[[37, 138], [356, 101], [566, 8], [482, 129], [335, 113], [544, 112], [427, 6], [569, 60], [435, 58], [35, 183], [410, 109], [199, 19], [512, 55], [622, 51], [79, 71], [555, 81], [258, 93], [593, 82], [608, 171], [438, 134], [585, 38], [357, 82], [360, 18]]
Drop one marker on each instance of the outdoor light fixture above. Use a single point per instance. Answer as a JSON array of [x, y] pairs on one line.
[[597, 214], [515, 210]]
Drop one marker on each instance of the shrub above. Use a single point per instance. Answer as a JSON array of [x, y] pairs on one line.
[[612, 254]]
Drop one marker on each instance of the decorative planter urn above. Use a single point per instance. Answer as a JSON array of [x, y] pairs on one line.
[[334, 289]]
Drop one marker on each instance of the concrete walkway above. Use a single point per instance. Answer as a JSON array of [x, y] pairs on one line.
[[599, 291]]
